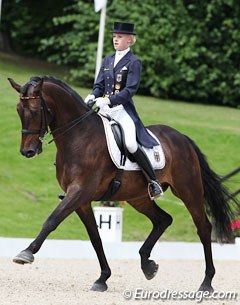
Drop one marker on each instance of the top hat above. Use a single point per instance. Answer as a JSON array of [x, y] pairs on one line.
[[123, 28]]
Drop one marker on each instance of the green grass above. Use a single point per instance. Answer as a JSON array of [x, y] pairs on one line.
[[29, 187]]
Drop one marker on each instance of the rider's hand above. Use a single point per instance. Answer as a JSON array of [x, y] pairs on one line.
[[89, 98], [102, 101]]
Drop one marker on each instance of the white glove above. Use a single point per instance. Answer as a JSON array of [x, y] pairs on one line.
[[89, 98], [102, 101]]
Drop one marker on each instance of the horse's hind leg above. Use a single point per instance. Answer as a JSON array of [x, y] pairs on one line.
[[160, 220], [204, 231], [86, 215], [192, 196]]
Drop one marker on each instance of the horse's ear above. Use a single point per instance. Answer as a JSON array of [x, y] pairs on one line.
[[15, 85], [38, 86]]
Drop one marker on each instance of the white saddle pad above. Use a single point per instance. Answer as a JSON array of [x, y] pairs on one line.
[[155, 154]]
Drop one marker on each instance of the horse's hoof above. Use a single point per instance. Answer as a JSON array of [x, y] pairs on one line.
[[24, 257], [97, 286], [206, 288], [150, 270]]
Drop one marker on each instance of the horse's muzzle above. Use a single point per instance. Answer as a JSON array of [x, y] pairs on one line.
[[30, 153]]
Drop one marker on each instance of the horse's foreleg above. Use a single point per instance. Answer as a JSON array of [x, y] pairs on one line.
[[86, 215], [64, 209], [160, 220]]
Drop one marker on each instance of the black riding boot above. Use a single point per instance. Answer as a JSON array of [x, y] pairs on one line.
[[154, 187]]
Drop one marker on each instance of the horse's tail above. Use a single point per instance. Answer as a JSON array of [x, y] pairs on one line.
[[216, 198]]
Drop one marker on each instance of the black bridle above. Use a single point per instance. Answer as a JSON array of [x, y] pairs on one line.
[[44, 123]]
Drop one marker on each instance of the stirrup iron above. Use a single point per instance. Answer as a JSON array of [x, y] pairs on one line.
[[161, 193]]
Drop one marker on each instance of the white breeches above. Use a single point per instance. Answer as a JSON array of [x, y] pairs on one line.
[[120, 115]]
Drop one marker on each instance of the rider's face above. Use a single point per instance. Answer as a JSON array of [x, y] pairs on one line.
[[121, 41]]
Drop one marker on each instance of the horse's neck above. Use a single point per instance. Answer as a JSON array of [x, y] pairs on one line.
[[66, 110], [64, 106]]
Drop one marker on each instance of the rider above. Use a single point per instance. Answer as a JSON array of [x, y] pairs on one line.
[[116, 84]]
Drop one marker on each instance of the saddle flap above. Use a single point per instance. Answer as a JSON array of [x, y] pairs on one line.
[[155, 154]]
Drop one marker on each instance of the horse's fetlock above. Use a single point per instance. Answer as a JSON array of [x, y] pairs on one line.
[[105, 274], [210, 272]]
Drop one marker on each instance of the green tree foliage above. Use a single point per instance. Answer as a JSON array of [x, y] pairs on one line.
[[76, 46], [189, 48], [26, 22]]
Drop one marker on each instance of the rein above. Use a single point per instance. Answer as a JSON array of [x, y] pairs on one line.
[[70, 125]]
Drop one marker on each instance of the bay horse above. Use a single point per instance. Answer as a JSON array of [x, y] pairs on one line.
[[84, 171]]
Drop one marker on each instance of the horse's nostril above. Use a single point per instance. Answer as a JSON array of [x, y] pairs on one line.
[[28, 153]]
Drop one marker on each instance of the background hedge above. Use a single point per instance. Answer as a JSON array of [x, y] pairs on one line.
[[189, 48]]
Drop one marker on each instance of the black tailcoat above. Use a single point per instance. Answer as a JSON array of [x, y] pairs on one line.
[[120, 84]]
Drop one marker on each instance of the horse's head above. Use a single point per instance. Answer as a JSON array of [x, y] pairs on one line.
[[34, 115]]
